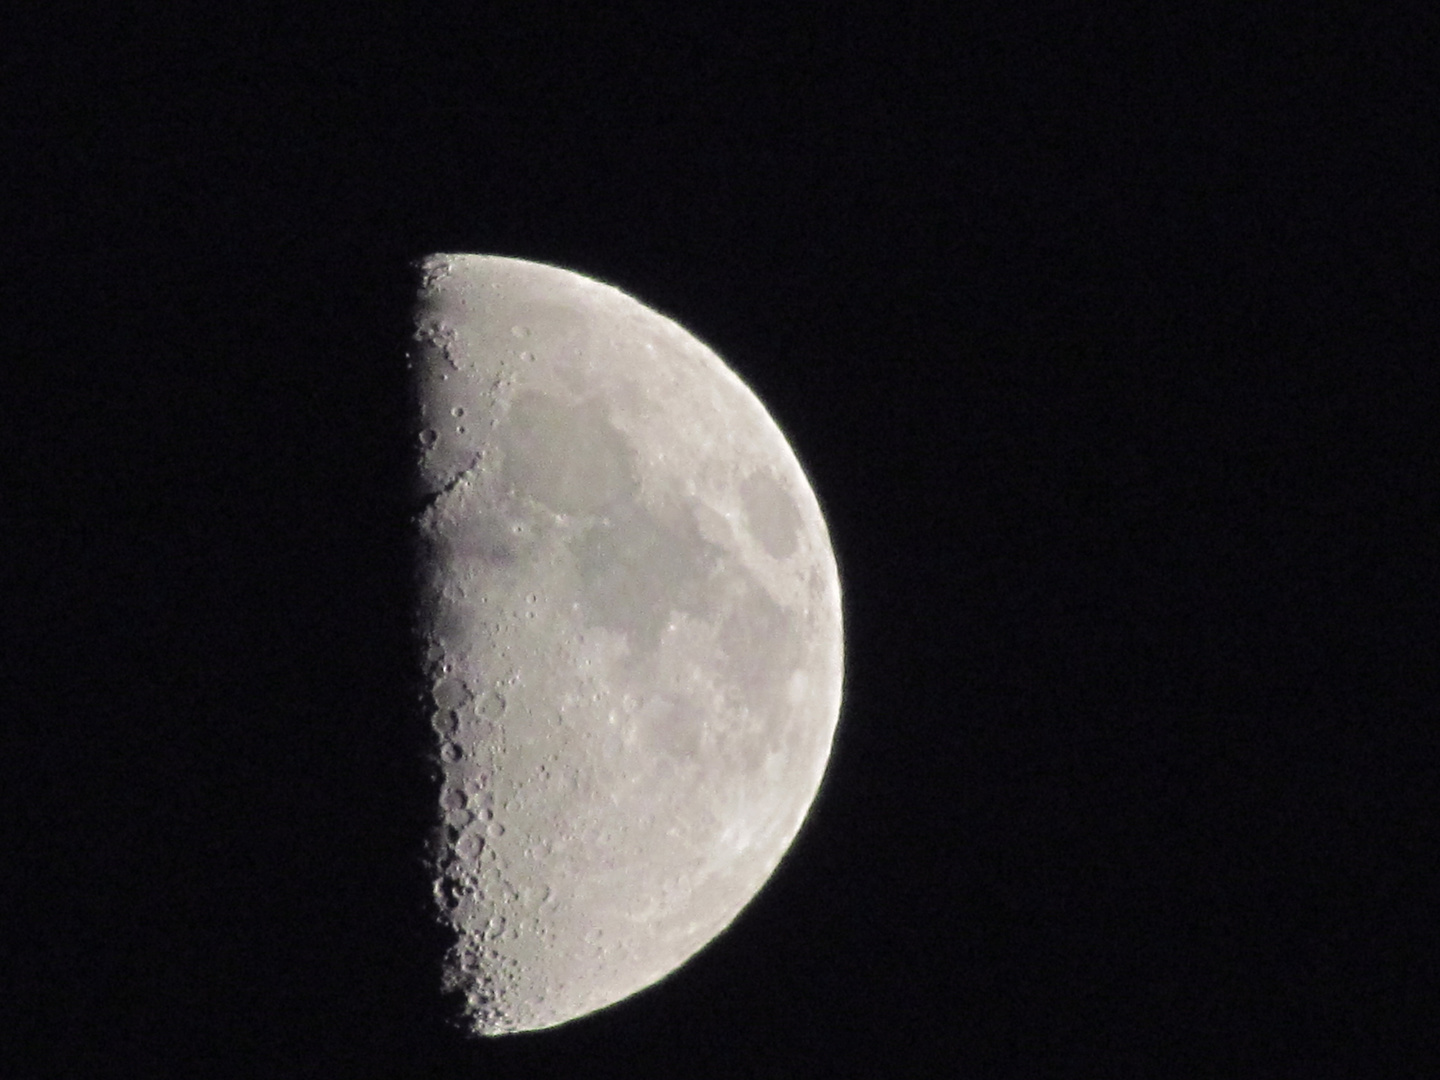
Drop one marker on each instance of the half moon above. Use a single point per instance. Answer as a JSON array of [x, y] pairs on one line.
[[630, 615]]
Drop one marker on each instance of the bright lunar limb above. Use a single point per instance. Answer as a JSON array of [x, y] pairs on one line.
[[630, 616]]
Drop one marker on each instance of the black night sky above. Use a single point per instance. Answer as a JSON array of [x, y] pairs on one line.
[[1107, 335]]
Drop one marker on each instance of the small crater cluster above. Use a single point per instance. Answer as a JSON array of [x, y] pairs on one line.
[[473, 889]]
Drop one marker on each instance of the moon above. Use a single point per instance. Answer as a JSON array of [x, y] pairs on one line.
[[630, 628]]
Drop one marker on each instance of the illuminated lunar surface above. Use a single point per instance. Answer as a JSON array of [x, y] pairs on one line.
[[630, 613]]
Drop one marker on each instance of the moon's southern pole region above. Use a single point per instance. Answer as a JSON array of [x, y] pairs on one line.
[[630, 614]]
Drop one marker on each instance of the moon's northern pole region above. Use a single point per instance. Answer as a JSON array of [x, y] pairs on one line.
[[630, 619]]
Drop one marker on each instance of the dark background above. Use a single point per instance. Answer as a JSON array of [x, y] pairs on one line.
[[1107, 334]]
